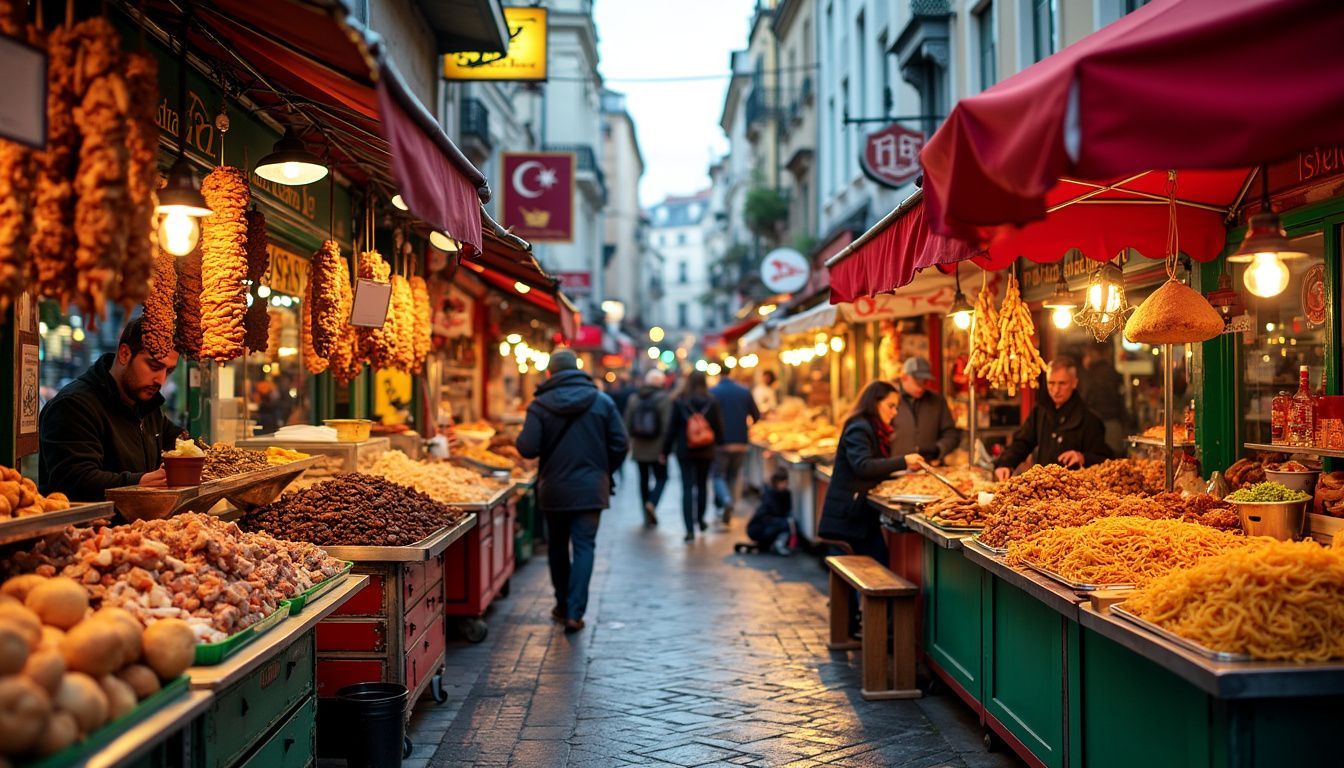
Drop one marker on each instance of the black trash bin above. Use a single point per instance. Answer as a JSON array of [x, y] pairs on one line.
[[375, 717]]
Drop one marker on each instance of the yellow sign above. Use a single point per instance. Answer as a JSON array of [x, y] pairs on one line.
[[288, 271], [526, 59], [391, 396]]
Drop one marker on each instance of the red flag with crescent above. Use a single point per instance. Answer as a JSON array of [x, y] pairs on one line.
[[538, 195]]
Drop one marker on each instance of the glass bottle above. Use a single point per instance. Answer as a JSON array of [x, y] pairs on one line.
[[1190, 423], [1301, 412], [1278, 425], [1317, 412]]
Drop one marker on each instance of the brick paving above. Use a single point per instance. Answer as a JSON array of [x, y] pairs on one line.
[[692, 656]]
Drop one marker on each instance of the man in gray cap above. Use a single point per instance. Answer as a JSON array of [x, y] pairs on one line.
[[923, 422], [574, 430]]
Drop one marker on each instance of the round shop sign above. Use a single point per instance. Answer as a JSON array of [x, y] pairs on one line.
[[1313, 295], [785, 270]]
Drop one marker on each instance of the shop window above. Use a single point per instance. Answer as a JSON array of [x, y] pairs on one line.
[[985, 45], [683, 315], [1287, 332], [1042, 28]]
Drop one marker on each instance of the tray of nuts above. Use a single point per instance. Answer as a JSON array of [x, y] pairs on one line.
[[244, 490]]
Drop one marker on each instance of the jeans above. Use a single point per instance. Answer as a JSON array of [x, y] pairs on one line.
[[694, 490], [571, 579], [764, 529], [728, 463], [657, 472]]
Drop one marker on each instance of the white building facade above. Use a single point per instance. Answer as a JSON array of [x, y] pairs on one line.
[[677, 234], [626, 279]]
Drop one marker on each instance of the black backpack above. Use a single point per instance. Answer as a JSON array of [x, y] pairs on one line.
[[644, 420]]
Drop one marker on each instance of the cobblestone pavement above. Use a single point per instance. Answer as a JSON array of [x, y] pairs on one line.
[[692, 656]]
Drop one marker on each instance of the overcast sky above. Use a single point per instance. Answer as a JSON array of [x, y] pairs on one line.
[[677, 122]]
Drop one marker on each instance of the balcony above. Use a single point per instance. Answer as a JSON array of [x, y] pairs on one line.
[[474, 128], [757, 112], [587, 170]]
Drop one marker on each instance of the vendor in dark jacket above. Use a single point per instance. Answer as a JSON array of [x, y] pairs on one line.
[[693, 399], [924, 423], [1060, 430], [106, 429], [579, 437], [862, 461]]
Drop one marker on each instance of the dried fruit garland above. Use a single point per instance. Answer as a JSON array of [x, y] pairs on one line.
[[16, 184], [422, 337], [346, 361], [401, 316], [312, 361], [324, 282], [224, 263], [257, 321], [160, 319], [1018, 363], [377, 345], [142, 141], [53, 235], [187, 301]]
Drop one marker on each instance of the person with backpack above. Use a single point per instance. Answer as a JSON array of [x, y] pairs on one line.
[[647, 416], [576, 433], [739, 411], [694, 432]]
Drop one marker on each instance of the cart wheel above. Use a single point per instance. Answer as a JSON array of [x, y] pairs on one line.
[[474, 630], [406, 747], [436, 688], [991, 740], [504, 588]]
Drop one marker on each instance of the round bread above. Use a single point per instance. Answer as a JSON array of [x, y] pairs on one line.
[[18, 587], [1173, 314], [81, 696], [62, 731], [170, 647], [25, 619], [93, 647], [60, 602], [24, 709]]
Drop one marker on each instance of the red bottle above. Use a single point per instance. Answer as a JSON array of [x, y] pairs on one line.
[[1278, 429]]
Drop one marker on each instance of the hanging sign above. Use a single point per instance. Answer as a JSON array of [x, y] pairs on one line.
[[576, 283], [784, 270], [23, 102], [370, 305], [1314, 302], [891, 156], [537, 198], [525, 59]]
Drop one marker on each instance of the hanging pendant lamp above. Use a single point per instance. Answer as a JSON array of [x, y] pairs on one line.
[[290, 163], [961, 311], [181, 206], [1061, 303], [1265, 248]]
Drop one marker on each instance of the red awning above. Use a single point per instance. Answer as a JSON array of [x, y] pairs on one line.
[[734, 332], [1205, 86], [506, 260], [349, 100], [887, 256]]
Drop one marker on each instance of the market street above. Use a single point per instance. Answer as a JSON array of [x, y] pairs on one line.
[[692, 656]]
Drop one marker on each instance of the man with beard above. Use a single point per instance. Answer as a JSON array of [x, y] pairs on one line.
[[106, 429]]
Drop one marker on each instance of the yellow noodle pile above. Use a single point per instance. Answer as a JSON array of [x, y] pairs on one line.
[[1121, 550], [1275, 601]]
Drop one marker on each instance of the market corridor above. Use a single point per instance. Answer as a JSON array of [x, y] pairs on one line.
[[692, 656]]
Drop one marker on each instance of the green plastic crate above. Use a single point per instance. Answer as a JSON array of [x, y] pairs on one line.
[[210, 654], [297, 602], [100, 738]]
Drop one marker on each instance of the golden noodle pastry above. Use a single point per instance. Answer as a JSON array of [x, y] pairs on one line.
[[312, 362], [422, 337], [53, 234], [324, 279], [224, 263], [142, 178], [187, 301], [160, 321]]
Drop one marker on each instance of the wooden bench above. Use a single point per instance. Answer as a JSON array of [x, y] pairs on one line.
[[888, 661]]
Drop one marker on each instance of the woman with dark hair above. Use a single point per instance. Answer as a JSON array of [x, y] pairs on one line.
[[693, 412], [862, 460]]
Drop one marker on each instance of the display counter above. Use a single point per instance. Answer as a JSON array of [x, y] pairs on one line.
[[525, 520], [477, 568], [1063, 684]]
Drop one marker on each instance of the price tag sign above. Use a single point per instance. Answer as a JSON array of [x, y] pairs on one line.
[[23, 100], [371, 300]]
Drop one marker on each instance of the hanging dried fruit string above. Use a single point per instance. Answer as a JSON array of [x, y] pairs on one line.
[[16, 185]]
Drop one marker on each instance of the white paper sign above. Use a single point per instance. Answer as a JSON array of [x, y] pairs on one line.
[[371, 300], [28, 395], [23, 100]]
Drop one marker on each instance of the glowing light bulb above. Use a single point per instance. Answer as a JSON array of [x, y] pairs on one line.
[[962, 320], [1094, 297], [730, 362], [837, 343], [178, 233], [291, 170], [504, 349], [1061, 317], [77, 334], [654, 353], [263, 291], [1267, 276], [656, 334], [514, 338]]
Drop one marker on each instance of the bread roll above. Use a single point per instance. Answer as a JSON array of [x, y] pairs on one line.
[[1173, 314]]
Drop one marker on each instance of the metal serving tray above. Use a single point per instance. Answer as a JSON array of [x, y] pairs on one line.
[[911, 498], [33, 526], [246, 490], [420, 551], [1172, 637], [983, 547], [481, 506], [1074, 585]]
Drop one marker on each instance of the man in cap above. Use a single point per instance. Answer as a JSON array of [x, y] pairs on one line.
[[923, 422], [576, 433]]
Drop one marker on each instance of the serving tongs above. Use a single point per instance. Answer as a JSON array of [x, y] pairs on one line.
[[925, 466]]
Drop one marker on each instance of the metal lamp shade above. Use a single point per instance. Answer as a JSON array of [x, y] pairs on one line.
[[1264, 234], [181, 193], [291, 164]]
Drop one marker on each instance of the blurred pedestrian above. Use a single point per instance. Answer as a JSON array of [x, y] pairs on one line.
[[576, 433], [696, 428], [647, 418], [764, 393], [924, 422], [772, 527], [738, 408]]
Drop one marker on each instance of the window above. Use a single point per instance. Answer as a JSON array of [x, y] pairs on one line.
[[888, 98], [683, 319], [985, 46], [847, 158], [681, 238], [861, 38], [1042, 28], [682, 272]]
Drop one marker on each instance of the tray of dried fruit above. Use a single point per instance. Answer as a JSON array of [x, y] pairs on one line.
[[422, 550], [77, 753], [297, 602], [210, 654], [246, 489]]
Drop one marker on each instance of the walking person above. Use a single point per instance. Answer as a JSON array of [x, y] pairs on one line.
[[737, 406], [695, 429], [647, 418], [576, 433]]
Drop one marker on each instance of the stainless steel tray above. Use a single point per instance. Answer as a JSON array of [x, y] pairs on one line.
[[249, 489], [33, 526], [952, 528], [420, 551], [481, 506], [910, 498], [983, 547], [1074, 585], [1172, 637]]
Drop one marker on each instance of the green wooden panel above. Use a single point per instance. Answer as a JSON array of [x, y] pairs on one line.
[[1215, 385], [1024, 670], [1289, 732], [243, 715], [293, 745], [952, 600], [1134, 712]]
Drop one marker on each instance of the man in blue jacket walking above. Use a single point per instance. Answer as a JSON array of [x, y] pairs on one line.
[[737, 406], [579, 438]]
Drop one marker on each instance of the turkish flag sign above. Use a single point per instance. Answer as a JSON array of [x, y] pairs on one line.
[[538, 195]]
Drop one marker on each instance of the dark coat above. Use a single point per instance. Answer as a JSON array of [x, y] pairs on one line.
[[1099, 385], [675, 441], [1050, 431], [648, 449], [91, 440], [859, 467], [924, 425], [775, 506], [736, 406], [575, 474]]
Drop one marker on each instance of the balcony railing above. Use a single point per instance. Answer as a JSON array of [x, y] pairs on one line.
[[585, 161], [475, 121]]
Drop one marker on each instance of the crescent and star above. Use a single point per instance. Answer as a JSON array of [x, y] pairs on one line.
[[546, 178]]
